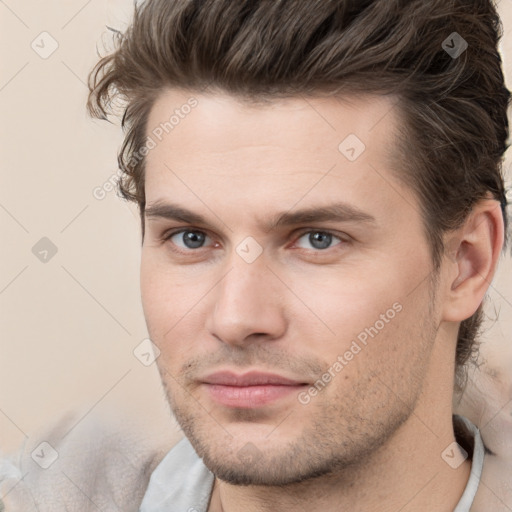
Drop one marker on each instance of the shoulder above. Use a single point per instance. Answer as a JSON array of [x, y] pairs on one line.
[[81, 464]]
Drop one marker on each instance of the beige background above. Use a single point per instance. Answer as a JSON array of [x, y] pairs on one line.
[[70, 325]]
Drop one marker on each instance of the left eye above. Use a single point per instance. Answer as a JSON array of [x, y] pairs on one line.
[[320, 240]]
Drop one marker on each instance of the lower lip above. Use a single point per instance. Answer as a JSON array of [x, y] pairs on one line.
[[250, 396]]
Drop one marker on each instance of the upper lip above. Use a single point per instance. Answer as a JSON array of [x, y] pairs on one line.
[[253, 378]]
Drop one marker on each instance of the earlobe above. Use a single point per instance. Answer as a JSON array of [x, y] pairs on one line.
[[476, 249]]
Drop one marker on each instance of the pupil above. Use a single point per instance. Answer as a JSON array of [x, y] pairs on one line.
[[192, 239], [320, 240]]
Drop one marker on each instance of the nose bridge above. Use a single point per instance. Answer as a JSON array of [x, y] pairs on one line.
[[246, 302], [246, 284]]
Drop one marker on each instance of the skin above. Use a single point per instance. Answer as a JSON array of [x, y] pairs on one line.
[[372, 438]]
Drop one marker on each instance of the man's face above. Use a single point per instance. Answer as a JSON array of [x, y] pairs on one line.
[[298, 343]]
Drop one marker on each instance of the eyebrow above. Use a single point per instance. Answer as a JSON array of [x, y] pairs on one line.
[[337, 212]]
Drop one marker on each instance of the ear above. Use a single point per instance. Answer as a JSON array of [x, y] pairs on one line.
[[473, 252]]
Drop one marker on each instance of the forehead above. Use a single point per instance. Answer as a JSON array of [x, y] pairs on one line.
[[220, 122], [209, 147]]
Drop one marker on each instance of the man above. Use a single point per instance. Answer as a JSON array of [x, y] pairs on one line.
[[323, 210]]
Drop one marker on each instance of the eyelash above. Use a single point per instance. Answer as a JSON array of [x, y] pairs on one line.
[[168, 235]]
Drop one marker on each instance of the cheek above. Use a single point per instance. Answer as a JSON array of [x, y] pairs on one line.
[[171, 301], [348, 301], [379, 305], [151, 288], [162, 299], [163, 286]]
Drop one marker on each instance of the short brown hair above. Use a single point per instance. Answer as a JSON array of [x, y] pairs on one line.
[[454, 106]]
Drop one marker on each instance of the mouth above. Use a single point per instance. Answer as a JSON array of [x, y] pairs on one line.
[[249, 390]]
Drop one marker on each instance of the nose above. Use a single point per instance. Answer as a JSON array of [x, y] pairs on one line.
[[248, 305]]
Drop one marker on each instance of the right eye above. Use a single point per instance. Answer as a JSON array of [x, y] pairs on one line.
[[187, 239]]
